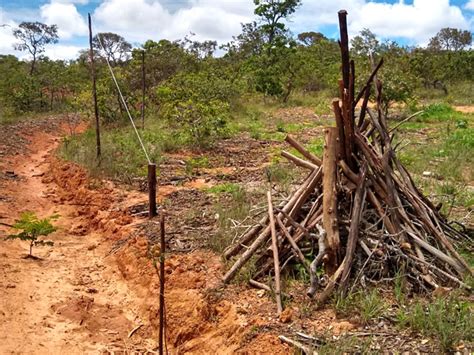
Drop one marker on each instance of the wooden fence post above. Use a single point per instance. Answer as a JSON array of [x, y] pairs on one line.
[[94, 90], [152, 190]]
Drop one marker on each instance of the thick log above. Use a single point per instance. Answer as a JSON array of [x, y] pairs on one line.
[[330, 222], [276, 259], [341, 151]]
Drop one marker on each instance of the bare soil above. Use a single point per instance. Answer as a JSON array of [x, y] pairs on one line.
[[97, 283]]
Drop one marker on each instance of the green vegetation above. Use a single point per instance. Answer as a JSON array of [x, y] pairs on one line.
[[448, 320], [367, 305], [32, 228], [233, 205]]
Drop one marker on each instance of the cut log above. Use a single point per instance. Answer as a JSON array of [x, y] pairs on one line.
[[330, 222]]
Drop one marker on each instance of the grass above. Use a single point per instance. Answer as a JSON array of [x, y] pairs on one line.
[[194, 164], [347, 345], [449, 320], [228, 188], [441, 142], [122, 157], [233, 204], [368, 305]]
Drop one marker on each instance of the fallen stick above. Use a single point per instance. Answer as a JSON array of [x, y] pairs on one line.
[[134, 330], [298, 161], [263, 237], [311, 157], [259, 285], [294, 246], [297, 344]]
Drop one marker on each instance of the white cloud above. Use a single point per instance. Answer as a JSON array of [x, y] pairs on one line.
[[65, 15], [60, 51], [416, 22], [6, 36], [469, 5], [139, 20]]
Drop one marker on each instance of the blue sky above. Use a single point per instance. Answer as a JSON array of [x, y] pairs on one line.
[[410, 22]]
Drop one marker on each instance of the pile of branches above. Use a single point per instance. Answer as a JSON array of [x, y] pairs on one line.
[[358, 210]]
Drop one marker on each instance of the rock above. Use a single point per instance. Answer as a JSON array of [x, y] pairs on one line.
[[286, 315], [427, 173]]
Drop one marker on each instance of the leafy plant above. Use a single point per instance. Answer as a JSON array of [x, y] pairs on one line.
[[33, 228]]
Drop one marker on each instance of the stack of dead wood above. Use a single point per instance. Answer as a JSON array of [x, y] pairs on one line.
[[358, 212]]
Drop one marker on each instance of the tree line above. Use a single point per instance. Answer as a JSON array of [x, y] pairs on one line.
[[192, 87]]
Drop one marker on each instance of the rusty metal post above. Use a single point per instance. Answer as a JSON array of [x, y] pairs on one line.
[[152, 190]]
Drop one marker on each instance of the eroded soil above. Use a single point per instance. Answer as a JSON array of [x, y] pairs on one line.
[[97, 283]]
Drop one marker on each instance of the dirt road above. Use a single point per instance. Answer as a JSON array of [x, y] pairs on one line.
[[72, 300], [96, 284]]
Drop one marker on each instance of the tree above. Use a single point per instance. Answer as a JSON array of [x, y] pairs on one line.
[[32, 228], [33, 37], [271, 13], [365, 43], [278, 45], [450, 39], [112, 46], [311, 38]]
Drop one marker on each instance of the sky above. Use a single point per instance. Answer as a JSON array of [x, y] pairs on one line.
[[407, 22]]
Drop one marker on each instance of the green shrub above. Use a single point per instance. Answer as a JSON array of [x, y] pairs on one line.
[[197, 104]]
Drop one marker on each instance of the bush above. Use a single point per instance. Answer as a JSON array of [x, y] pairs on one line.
[[197, 104]]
